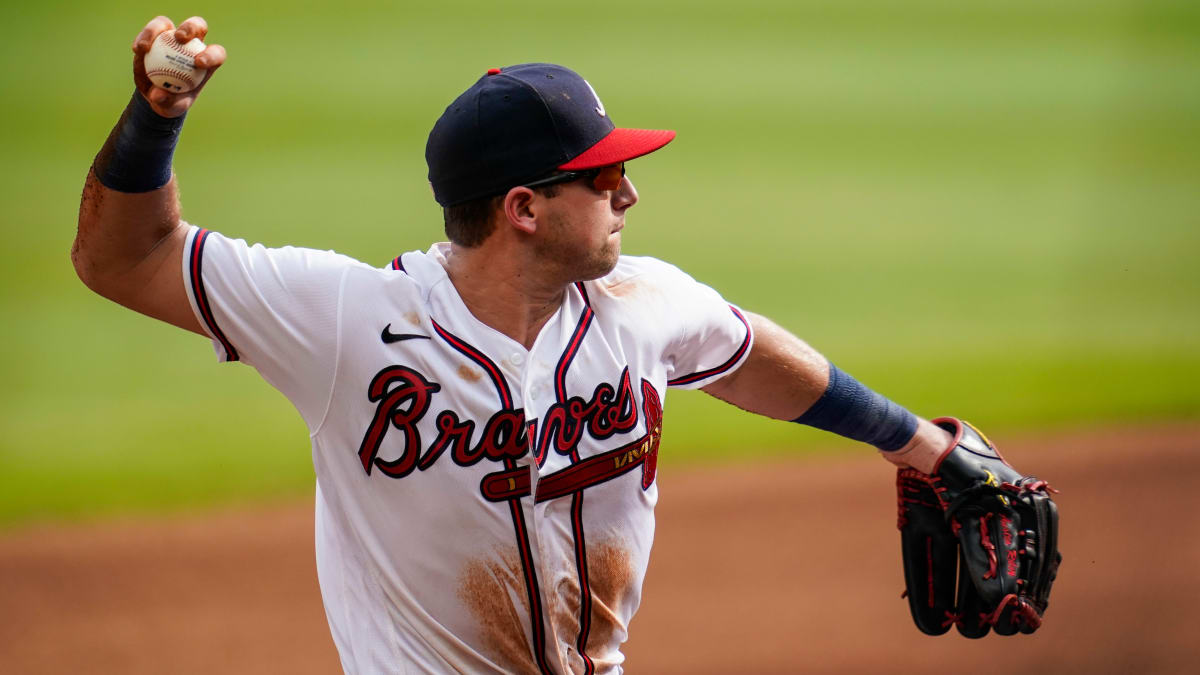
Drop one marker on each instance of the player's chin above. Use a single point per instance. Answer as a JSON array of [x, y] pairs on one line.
[[612, 252], [602, 262]]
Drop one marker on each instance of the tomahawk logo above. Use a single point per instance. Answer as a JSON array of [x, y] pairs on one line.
[[599, 105]]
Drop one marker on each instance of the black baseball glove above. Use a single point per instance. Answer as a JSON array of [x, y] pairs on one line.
[[979, 540]]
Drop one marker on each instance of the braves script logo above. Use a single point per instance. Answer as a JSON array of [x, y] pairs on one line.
[[403, 397], [610, 411]]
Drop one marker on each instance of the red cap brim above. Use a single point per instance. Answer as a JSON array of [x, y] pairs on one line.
[[620, 145]]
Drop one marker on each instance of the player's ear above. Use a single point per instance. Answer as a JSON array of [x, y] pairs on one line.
[[519, 211]]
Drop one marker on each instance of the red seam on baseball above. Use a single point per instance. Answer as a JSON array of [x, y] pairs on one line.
[[174, 44], [171, 73]]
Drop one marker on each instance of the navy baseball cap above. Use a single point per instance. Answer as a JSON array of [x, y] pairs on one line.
[[520, 123]]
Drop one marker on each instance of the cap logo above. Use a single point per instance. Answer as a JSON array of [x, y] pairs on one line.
[[599, 105]]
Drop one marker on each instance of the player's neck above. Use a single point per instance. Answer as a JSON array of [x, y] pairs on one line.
[[501, 294]]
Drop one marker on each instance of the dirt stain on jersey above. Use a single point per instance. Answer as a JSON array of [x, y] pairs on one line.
[[469, 374], [624, 288], [610, 575], [487, 587], [413, 318], [564, 614]]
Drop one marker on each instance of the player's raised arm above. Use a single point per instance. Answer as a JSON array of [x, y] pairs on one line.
[[130, 240]]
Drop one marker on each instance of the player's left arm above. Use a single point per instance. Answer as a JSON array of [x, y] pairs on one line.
[[786, 379], [958, 499]]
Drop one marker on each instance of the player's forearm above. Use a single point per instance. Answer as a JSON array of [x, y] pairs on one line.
[[120, 232], [130, 239], [130, 204], [785, 378], [781, 378]]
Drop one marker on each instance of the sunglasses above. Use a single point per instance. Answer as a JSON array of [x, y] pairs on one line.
[[602, 178]]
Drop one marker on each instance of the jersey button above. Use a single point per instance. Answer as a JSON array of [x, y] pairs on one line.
[[516, 359]]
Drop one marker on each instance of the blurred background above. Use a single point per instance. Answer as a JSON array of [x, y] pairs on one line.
[[985, 209]]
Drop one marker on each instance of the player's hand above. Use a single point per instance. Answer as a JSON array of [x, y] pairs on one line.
[[166, 103]]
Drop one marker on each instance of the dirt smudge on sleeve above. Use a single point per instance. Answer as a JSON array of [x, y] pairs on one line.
[[624, 287]]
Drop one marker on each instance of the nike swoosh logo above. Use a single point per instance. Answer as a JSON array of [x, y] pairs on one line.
[[389, 337]]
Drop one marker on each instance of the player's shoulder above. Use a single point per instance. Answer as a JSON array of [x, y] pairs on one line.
[[211, 248], [633, 266], [643, 269], [636, 273], [311, 267], [417, 271]]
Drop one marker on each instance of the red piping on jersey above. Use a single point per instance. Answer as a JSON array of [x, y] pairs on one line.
[[581, 564], [518, 515], [201, 296], [560, 372], [506, 400], [585, 586], [531, 582], [398, 264], [695, 377], [583, 293]]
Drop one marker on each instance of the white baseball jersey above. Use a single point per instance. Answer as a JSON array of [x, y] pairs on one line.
[[481, 507]]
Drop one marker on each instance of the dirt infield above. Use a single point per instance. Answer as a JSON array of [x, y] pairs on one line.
[[778, 568]]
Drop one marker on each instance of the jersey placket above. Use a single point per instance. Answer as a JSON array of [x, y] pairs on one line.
[[537, 377], [529, 371], [522, 512], [545, 386]]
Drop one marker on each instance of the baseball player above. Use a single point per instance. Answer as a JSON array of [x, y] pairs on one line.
[[485, 415]]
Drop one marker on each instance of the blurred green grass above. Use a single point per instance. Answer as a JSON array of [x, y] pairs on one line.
[[982, 209]]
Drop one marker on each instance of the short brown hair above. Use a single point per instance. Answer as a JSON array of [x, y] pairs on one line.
[[470, 223]]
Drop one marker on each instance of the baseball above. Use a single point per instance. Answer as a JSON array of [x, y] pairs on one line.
[[172, 66]]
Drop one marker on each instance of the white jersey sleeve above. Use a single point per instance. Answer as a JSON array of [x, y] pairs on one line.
[[706, 337], [276, 309]]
